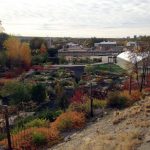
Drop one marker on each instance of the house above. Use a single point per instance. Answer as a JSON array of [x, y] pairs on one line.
[[106, 45]]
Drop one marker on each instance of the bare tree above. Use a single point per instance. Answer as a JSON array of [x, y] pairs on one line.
[[1, 27]]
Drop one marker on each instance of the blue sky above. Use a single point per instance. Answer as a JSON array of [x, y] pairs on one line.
[[76, 18]]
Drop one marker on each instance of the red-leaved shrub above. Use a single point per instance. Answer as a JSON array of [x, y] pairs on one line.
[[78, 97]]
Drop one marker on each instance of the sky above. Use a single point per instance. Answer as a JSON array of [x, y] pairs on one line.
[[76, 18]]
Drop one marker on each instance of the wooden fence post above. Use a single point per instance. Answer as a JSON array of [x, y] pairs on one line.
[[92, 114], [7, 127]]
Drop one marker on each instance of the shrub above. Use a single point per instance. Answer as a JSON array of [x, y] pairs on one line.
[[49, 115], [25, 139], [38, 93], [85, 108], [39, 59], [78, 97], [39, 139], [2, 136], [99, 103], [69, 120], [19, 92], [147, 90], [37, 123], [135, 96], [65, 124], [22, 121], [115, 100], [125, 93]]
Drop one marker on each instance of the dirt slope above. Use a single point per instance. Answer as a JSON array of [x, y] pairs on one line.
[[128, 129]]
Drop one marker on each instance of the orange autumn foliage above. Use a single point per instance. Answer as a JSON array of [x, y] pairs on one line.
[[69, 120], [17, 51], [23, 140], [66, 121], [12, 45], [135, 95], [25, 53]]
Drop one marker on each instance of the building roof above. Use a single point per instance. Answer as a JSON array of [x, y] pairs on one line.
[[72, 44], [111, 43], [106, 43], [132, 57]]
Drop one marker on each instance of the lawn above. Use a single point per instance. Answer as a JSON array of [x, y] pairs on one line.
[[110, 68]]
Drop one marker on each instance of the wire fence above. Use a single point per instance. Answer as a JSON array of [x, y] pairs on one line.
[[13, 134]]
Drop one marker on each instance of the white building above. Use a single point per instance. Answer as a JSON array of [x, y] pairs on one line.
[[133, 44], [128, 59], [105, 44], [71, 44]]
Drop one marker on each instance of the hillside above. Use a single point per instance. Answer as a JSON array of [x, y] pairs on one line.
[[128, 129]]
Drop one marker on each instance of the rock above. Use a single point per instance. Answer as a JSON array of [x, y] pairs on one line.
[[98, 119], [73, 135], [105, 113], [147, 139], [68, 138]]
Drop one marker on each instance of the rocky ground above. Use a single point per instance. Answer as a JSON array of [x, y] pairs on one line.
[[128, 129]]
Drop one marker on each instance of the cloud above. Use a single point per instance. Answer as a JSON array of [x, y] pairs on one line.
[[67, 17]]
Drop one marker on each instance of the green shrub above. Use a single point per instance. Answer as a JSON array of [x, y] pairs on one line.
[[37, 123], [21, 121], [39, 139], [39, 59], [115, 100], [80, 107], [20, 124], [99, 103], [86, 106], [20, 92], [38, 93], [2, 136], [37, 73], [49, 115], [40, 79]]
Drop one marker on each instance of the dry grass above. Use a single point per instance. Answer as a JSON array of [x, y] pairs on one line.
[[119, 116], [118, 141], [128, 140]]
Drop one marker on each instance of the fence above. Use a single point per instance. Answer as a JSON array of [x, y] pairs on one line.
[[9, 140]]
